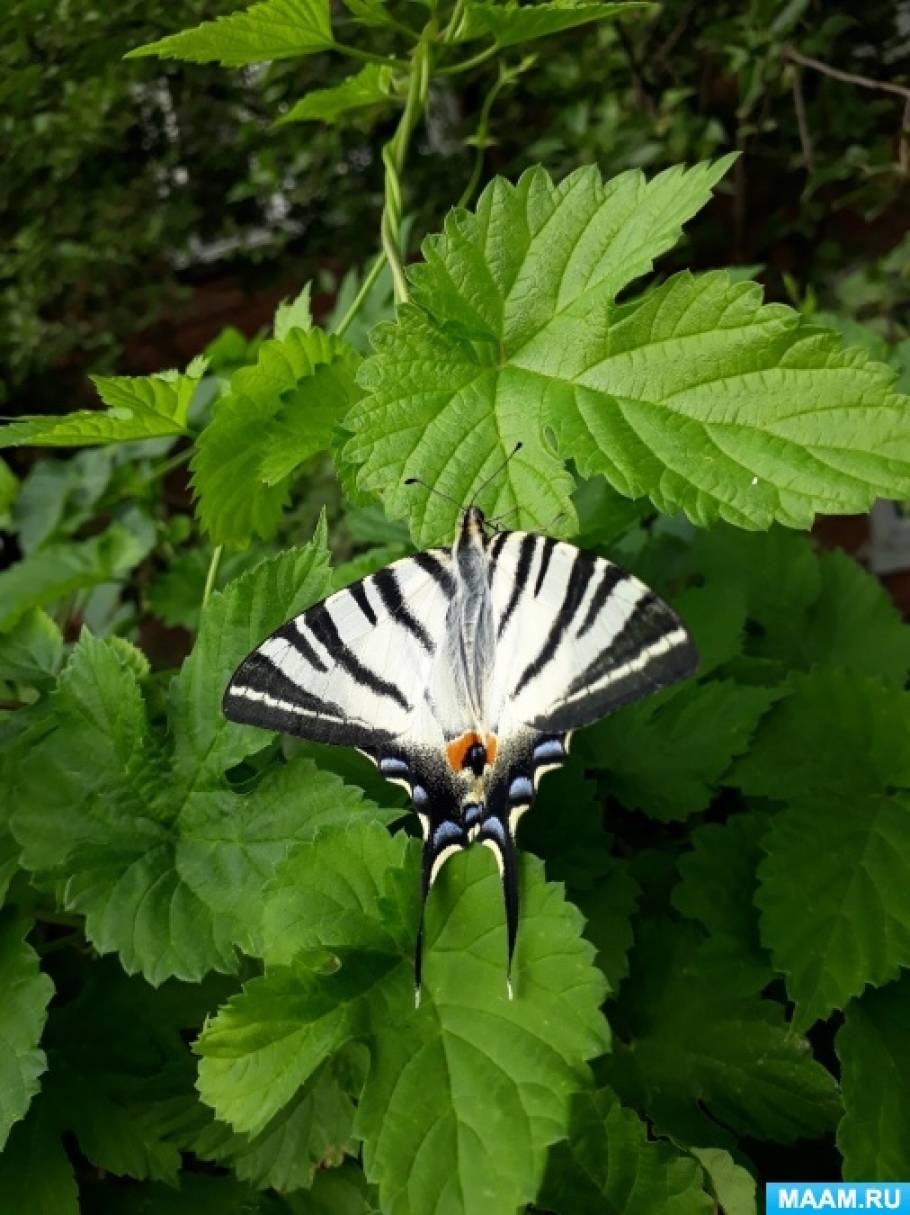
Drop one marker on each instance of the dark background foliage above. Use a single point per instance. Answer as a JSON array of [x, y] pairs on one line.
[[146, 204]]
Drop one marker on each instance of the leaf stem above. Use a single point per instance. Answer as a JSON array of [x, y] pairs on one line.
[[367, 56], [481, 137], [394, 154], [357, 302], [168, 465], [212, 573], [466, 64]]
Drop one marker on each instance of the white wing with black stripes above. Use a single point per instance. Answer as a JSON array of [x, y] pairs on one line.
[[462, 675], [576, 636], [356, 669]]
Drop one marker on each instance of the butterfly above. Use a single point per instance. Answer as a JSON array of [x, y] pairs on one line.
[[461, 673]]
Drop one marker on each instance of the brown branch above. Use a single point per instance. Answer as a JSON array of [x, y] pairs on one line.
[[864, 82], [903, 142], [802, 122]]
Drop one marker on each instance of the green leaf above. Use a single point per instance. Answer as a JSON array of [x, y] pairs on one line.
[[703, 1055], [521, 280], [32, 651], [274, 29], [35, 1173], [9, 490], [277, 414], [313, 1129], [306, 422], [853, 625], [837, 917], [371, 86], [610, 1167], [45, 576], [176, 594], [466, 1061], [510, 24], [873, 1046], [231, 845], [732, 1185], [836, 733], [26, 993], [566, 831], [294, 314], [330, 893], [139, 407], [514, 334], [696, 731], [59, 496], [166, 861], [718, 879], [235, 621]]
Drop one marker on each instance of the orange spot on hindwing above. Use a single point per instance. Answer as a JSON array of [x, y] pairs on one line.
[[459, 750]]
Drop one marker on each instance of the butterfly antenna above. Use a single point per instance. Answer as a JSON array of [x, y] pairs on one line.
[[431, 489], [493, 475]]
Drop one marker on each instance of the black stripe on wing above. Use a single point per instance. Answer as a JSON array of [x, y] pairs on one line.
[[652, 650], [387, 585], [576, 585], [320, 623], [261, 694], [526, 550]]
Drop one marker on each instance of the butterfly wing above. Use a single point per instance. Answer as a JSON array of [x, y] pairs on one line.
[[576, 638], [355, 668]]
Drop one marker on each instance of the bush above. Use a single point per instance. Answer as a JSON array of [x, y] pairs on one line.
[[208, 930]]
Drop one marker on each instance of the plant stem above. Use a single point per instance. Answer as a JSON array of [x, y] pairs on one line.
[[366, 56], [71, 938], [466, 64], [356, 303], [481, 135], [394, 154], [213, 573], [168, 465], [864, 82]]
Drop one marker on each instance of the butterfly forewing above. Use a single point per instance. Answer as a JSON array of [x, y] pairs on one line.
[[577, 637], [355, 668]]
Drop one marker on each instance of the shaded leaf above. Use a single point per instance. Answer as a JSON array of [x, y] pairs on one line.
[[48, 574], [873, 1046], [23, 1011], [696, 731], [704, 1055], [836, 917], [610, 1167], [371, 86]]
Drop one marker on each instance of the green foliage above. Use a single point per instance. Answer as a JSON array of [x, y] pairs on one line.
[[273, 29], [725, 863], [139, 407], [482, 362]]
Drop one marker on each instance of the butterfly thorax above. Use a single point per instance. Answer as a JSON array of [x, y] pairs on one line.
[[471, 629]]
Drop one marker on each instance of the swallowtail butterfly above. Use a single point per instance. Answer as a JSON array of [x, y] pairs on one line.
[[462, 673]]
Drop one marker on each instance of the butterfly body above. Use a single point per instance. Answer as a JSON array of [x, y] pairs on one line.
[[462, 672]]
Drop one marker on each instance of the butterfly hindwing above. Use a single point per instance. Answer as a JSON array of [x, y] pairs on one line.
[[577, 637], [355, 668]]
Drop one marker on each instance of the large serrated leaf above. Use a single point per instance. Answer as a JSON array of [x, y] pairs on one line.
[[139, 407], [273, 29], [695, 395]]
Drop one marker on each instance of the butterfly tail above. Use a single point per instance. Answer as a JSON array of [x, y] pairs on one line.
[[443, 841], [495, 834]]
